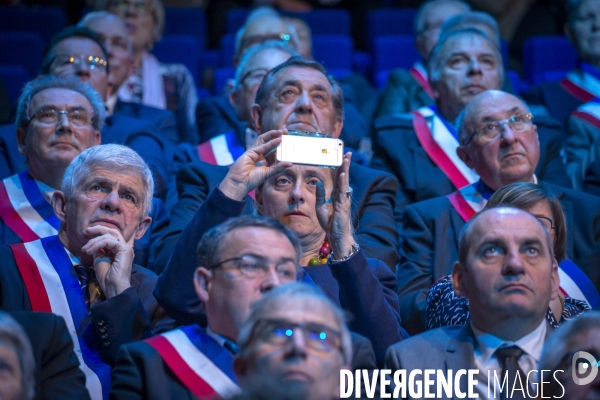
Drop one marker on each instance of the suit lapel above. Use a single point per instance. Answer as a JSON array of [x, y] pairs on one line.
[[567, 206], [460, 354]]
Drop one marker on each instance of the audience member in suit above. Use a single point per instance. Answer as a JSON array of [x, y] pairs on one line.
[[86, 273], [408, 90], [506, 268], [57, 374], [582, 84], [583, 142], [18, 365], [501, 153], [47, 144], [78, 52], [373, 212], [113, 34], [463, 64], [591, 184], [331, 257], [581, 334], [309, 359]]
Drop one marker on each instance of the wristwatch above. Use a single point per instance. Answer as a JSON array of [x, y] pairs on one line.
[[353, 250]]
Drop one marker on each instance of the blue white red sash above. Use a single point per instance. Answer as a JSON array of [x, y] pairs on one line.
[[419, 74], [440, 145], [52, 286], [221, 150], [25, 210], [581, 85], [589, 112], [573, 281], [200, 363]]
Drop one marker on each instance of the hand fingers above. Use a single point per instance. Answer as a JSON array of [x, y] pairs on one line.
[[276, 168], [266, 137], [321, 194], [105, 241], [98, 230]]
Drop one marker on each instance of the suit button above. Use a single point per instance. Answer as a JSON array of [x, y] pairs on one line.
[[104, 337], [100, 323], [106, 344], [102, 329]]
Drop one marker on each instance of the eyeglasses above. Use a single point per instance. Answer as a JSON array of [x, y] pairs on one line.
[[280, 331], [251, 267], [68, 61], [50, 116], [491, 130], [548, 223], [260, 39], [254, 76], [139, 7]]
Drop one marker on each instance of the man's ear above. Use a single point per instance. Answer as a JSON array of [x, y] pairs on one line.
[[458, 275], [21, 136], [202, 282], [463, 154], [233, 98], [256, 114], [97, 138], [338, 124], [59, 203], [554, 279], [142, 228]]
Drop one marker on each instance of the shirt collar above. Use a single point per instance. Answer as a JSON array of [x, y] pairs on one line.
[[487, 191], [223, 341], [111, 103], [486, 344]]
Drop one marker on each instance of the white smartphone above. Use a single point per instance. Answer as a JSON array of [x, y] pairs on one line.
[[311, 150]]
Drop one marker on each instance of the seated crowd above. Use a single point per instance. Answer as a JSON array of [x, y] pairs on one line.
[[153, 248]]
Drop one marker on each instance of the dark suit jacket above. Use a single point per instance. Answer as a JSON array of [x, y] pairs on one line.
[[140, 372], [132, 315], [591, 183], [400, 153], [373, 211], [559, 103], [57, 373], [364, 288], [430, 245], [447, 348], [163, 120]]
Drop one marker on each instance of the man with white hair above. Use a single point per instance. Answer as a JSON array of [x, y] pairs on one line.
[[86, 273]]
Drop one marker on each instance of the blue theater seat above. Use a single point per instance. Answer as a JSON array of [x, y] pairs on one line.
[[47, 21], [186, 21], [393, 51], [395, 21], [220, 77], [542, 54], [22, 48], [14, 77], [179, 49]]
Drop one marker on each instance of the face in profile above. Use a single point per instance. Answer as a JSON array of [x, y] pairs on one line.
[[299, 345]]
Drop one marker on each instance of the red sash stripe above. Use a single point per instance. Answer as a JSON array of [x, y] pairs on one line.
[[184, 373], [206, 154], [461, 206], [36, 290], [587, 117], [434, 151], [13, 219], [576, 91], [421, 80]]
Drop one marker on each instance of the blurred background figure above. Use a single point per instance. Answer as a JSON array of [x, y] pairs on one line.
[[16, 357]]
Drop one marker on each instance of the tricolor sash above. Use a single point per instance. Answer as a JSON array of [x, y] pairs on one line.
[[25, 210], [589, 112], [221, 150], [440, 145], [573, 281], [200, 363], [52, 286], [419, 74], [581, 85]]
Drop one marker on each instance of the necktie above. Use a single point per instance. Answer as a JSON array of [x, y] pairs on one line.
[[508, 358], [231, 347], [85, 277]]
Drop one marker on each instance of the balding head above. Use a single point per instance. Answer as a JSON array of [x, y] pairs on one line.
[[507, 271]]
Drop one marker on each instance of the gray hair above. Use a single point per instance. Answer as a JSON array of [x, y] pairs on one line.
[[436, 62], [209, 247], [54, 82], [420, 16], [273, 44], [560, 343], [89, 17], [472, 19], [13, 335], [116, 157], [158, 15], [296, 291], [265, 90], [254, 15]]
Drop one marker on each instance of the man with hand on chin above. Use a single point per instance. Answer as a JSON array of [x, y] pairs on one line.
[[86, 272]]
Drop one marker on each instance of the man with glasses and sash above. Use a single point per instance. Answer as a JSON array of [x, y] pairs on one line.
[[420, 150], [86, 273], [499, 141]]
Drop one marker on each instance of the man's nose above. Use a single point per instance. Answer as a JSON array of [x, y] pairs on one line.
[[474, 66], [507, 133], [296, 345], [112, 202], [82, 70], [303, 103], [513, 263], [270, 281], [63, 124]]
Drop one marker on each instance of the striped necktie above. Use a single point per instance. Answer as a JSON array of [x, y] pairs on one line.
[[85, 276]]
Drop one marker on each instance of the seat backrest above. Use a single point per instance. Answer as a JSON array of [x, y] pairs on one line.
[[14, 77], [394, 21], [22, 48], [220, 78], [47, 21], [394, 51], [179, 49], [333, 51], [547, 53], [186, 21]]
